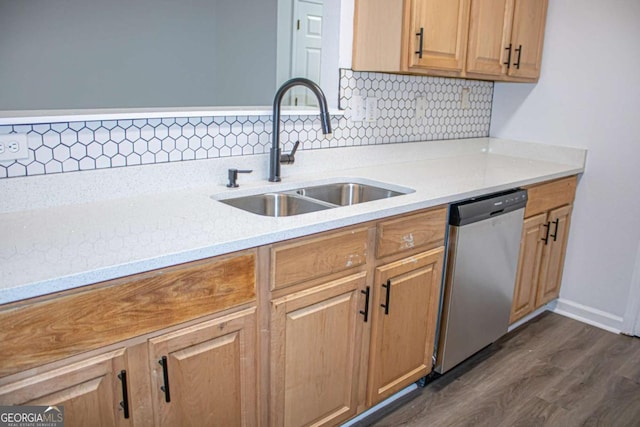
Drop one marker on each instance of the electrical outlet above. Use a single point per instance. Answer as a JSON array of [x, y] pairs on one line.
[[356, 104], [421, 108], [465, 101], [371, 110], [13, 146]]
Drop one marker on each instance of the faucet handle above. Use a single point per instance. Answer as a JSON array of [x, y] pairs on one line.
[[233, 177], [288, 159]]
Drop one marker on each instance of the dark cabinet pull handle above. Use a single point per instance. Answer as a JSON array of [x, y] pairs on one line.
[[165, 374], [125, 393], [546, 236], [365, 312], [555, 232], [517, 63], [421, 35], [386, 304], [508, 63]]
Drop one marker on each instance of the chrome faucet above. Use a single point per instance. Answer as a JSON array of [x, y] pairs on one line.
[[275, 157]]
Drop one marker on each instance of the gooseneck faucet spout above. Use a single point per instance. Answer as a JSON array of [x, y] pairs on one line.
[[275, 157]]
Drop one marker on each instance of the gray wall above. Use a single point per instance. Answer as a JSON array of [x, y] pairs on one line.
[[136, 53], [581, 101]]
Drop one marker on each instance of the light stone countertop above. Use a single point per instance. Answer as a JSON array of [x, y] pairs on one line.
[[68, 230]]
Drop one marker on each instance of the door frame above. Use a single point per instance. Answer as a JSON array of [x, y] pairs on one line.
[[631, 322]]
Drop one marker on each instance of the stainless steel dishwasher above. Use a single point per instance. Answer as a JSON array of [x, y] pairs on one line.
[[482, 258]]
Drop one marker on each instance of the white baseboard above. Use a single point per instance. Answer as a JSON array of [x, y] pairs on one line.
[[589, 315]]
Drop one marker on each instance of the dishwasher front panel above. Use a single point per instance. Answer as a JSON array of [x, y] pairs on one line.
[[481, 275]]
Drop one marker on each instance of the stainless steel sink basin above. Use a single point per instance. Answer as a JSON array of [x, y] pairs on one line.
[[276, 204], [347, 193], [311, 199]]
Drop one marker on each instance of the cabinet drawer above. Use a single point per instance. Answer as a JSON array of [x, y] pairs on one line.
[[52, 328], [310, 258], [422, 230], [549, 195]]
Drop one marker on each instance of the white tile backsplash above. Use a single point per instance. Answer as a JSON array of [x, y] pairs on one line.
[[77, 146]]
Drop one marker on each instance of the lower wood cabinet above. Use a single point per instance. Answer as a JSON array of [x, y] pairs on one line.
[[553, 255], [199, 317], [310, 331], [404, 317], [316, 337], [531, 245], [93, 391], [543, 246], [205, 375], [354, 333]]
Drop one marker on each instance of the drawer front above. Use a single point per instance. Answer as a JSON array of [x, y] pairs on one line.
[[311, 258], [550, 195], [51, 329], [422, 230]]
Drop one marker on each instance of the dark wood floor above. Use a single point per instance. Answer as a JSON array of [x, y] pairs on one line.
[[553, 371]]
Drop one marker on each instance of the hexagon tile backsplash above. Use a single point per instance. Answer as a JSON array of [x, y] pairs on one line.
[[76, 146]]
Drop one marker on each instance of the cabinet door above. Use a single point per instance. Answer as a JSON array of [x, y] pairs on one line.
[[489, 34], [315, 353], [209, 374], [443, 24], [90, 391], [405, 314], [553, 256], [527, 36], [531, 245]]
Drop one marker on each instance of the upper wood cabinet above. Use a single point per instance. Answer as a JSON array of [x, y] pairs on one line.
[[418, 36], [482, 39], [506, 39], [543, 245], [440, 34]]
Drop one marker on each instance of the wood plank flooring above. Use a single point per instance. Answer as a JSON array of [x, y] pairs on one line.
[[552, 371]]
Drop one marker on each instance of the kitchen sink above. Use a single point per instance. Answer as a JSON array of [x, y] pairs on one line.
[[276, 204], [347, 193], [312, 198]]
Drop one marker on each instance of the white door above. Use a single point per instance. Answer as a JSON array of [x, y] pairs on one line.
[[306, 47]]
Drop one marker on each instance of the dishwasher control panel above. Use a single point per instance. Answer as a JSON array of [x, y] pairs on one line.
[[483, 207]]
